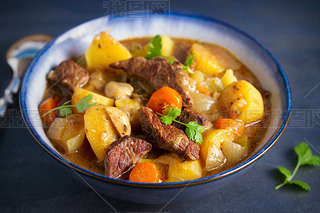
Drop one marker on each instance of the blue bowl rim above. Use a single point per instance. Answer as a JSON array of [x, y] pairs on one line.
[[180, 13]]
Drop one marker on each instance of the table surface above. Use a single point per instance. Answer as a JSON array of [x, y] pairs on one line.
[[31, 181]]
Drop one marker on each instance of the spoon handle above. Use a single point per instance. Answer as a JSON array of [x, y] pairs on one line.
[[19, 56], [7, 98]]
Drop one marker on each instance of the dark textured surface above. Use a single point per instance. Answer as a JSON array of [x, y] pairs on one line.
[[31, 181]]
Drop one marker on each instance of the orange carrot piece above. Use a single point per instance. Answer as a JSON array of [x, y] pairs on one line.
[[145, 173], [227, 123], [164, 96], [46, 106]]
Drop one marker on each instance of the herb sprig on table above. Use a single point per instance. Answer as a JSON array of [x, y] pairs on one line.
[[81, 106], [193, 130], [154, 50], [305, 157]]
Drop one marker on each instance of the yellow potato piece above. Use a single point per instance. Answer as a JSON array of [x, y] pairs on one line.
[[241, 100], [188, 170], [80, 93], [105, 50], [167, 46], [131, 108], [228, 78], [120, 120], [99, 129], [205, 61], [210, 149]]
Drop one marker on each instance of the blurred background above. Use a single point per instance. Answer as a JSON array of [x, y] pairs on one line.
[[31, 181]]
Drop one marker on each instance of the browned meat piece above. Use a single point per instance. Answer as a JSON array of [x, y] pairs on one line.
[[69, 74], [188, 115], [123, 154], [167, 137], [159, 72]]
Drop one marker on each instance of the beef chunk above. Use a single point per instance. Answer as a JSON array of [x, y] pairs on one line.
[[123, 154], [159, 72], [69, 74], [167, 137], [188, 115]]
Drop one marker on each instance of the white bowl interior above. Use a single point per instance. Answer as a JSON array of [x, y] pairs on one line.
[[75, 41]]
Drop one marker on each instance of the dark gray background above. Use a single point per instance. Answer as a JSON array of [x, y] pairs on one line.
[[31, 181]]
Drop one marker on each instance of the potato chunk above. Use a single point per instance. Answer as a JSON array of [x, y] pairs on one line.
[[205, 61], [131, 108], [188, 170], [105, 50], [80, 93], [228, 77], [167, 46], [99, 130], [241, 100], [68, 132], [210, 150]]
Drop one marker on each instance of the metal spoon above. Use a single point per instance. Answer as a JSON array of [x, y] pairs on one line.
[[19, 56]]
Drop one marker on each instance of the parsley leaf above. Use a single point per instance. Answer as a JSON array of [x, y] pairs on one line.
[[185, 68], [154, 50], [193, 129], [84, 103], [284, 171], [305, 157], [81, 106], [172, 114], [189, 60], [301, 184], [154, 47], [166, 120], [188, 63], [64, 112]]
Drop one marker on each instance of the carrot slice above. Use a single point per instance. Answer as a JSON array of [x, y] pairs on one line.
[[227, 123], [46, 106], [145, 173], [164, 96]]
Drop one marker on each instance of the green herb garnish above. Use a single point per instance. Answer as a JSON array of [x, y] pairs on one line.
[[305, 157], [154, 50], [154, 47], [171, 115], [193, 130], [189, 60], [81, 106]]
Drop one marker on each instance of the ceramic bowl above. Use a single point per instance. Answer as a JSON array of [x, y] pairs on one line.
[[173, 23]]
